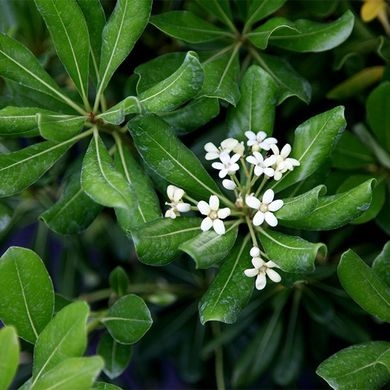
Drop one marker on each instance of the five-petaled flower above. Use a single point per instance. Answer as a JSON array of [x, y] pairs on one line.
[[265, 208], [228, 145], [228, 164], [176, 203], [283, 163], [259, 141], [262, 165], [214, 215], [262, 269]]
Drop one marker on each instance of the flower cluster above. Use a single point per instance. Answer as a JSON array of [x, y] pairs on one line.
[[246, 170]]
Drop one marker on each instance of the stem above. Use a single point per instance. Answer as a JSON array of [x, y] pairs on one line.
[[216, 329], [251, 231]]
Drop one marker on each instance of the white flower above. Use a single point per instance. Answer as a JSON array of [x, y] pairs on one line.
[[214, 215], [176, 203], [229, 184], [259, 141], [228, 165], [283, 163], [228, 145], [261, 270], [265, 208], [261, 165]]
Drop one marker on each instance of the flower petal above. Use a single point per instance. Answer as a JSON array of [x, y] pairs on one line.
[[258, 219], [255, 251], [218, 165], [229, 184], [211, 148], [219, 226], [229, 143], [251, 272], [257, 262], [224, 213], [261, 281], [270, 219], [268, 196], [183, 207], [224, 157], [203, 207], [206, 224], [214, 202], [178, 194], [275, 205], [251, 160], [170, 214], [286, 150], [273, 275], [171, 191], [252, 202], [250, 135]]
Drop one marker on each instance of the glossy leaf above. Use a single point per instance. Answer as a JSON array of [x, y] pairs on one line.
[[313, 143], [230, 291], [143, 203], [119, 281], [260, 9], [158, 242], [17, 63], [120, 34], [381, 264], [26, 290], [219, 8], [364, 366], [220, 77], [20, 169], [116, 356], [364, 286], [179, 87], [256, 108], [99, 178], [289, 81], [299, 206], [169, 158], [337, 210], [209, 248], [313, 36], [64, 337], [128, 319], [291, 253], [19, 121], [9, 350], [73, 212], [116, 114], [186, 26], [71, 373], [68, 29], [59, 128]]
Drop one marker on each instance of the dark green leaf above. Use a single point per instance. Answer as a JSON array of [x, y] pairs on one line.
[[59, 128], [169, 158], [128, 319], [358, 367], [20, 169], [121, 32], [186, 26], [337, 210], [230, 291], [68, 29], [209, 248], [173, 91], [291, 253], [219, 9], [158, 242], [256, 108], [65, 336], [260, 9], [116, 114], [318, 306], [313, 143], [9, 349], [116, 356], [26, 290], [381, 264], [119, 281], [364, 286], [309, 36]]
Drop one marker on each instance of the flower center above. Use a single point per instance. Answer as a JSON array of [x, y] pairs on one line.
[[213, 214], [263, 208]]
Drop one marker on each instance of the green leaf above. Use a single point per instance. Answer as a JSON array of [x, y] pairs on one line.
[[260, 9], [186, 26], [26, 290], [381, 264], [116, 356], [68, 29], [99, 178], [59, 128], [364, 286], [158, 242], [299, 206], [209, 248], [309, 36], [289, 81], [179, 87], [120, 34], [256, 108], [9, 350], [72, 373], [337, 210], [65, 336], [170, 158], [291, 253], [73, 212], [313, 143], [364, 366], [230, 291], [116, 114], [119, 281], [17, 63], [220, 77], [219, 9], [20, 169], [128, 319], [19, 121]]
